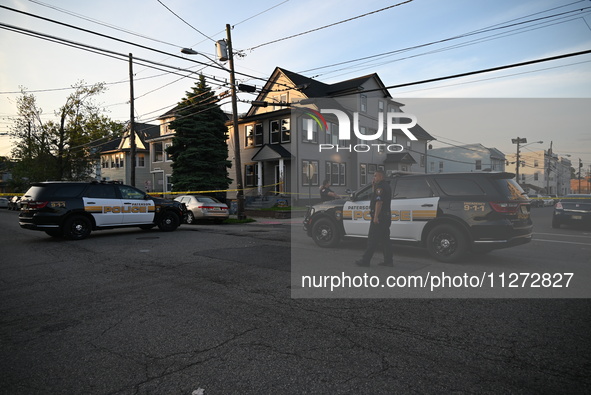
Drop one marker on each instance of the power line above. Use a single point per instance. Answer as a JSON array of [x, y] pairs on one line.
[[191, 26], [374, 58], [330, 25], [101, 23], [476, 72]]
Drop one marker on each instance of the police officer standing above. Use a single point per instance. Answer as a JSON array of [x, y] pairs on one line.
[[381, 219]]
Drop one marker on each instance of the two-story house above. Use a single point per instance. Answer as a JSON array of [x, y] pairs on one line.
[[285, 152]]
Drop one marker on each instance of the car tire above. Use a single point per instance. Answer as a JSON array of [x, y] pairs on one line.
[[190, 219], [168, 221], [325, 233], [555, 223], [447, 243], [77, 227]]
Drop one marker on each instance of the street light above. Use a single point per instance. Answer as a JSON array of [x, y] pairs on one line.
[[221, 47]]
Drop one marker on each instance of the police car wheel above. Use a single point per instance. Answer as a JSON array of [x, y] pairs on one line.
[[169, 221], [77, 227], [446, 243], [190, 219], [325, 233]]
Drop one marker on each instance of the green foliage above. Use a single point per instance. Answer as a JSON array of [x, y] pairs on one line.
[[199, 150], [59, 149]]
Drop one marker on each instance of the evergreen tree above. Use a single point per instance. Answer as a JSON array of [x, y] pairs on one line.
[[199, 150]]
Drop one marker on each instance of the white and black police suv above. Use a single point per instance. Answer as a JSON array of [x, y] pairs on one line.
[[74, 209], [448, 213]]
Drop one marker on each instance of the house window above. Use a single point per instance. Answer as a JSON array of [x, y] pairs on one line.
[[274, 132], [363, 102], [536, 163], [432, 167], [332, 134], [251, 174], [168, 183], [380, 106], [140, 160], [536, 175], [258, 134], [249, 136], [167, 156], [157, 152], [441, 166], [307, 126], [309, 172], [363, 173], [478, 164], [336, 173], [285, 130], [422, 160]]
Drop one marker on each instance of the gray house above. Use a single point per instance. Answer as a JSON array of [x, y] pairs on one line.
[[286, 151]]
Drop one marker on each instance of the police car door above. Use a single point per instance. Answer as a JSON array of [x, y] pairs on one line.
[[413, 204], [102, 202], [356, 214], [136, 208]]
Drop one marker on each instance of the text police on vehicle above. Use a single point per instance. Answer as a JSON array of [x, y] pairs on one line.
[[448, 213], [74, 209]]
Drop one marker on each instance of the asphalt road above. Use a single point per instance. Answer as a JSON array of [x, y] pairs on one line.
[[209, 307]]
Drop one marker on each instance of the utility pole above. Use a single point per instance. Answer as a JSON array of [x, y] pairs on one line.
[[131, 125], [548, 169], [237, 160], [517, 162], [580, 167]]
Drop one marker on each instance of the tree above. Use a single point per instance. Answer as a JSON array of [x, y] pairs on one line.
[[199, 150], [61, 149]]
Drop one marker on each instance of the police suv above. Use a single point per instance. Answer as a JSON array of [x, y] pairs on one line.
[[448, 213], [74, 209]]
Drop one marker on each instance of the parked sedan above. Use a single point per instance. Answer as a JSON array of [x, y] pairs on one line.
[[203, 207], [3, 202], [572, 210]]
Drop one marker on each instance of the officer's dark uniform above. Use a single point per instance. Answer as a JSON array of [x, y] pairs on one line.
[[379, 234], [324, 194]]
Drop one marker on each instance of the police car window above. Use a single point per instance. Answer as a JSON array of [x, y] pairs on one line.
[[364, 194], [130, 193], [101, 191], [459, 187], [66, 191], [412, 188]]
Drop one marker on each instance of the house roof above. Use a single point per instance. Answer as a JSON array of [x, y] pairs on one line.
[[144, 132], [271, 152], [400, 157]]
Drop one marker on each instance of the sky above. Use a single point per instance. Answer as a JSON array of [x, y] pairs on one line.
[[413, 41]]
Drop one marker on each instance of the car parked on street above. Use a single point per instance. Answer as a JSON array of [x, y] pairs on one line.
[[572, 210], [3, 202], [74, 209], [14, 203], [536, 200], [200, 207], [448, 213]]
